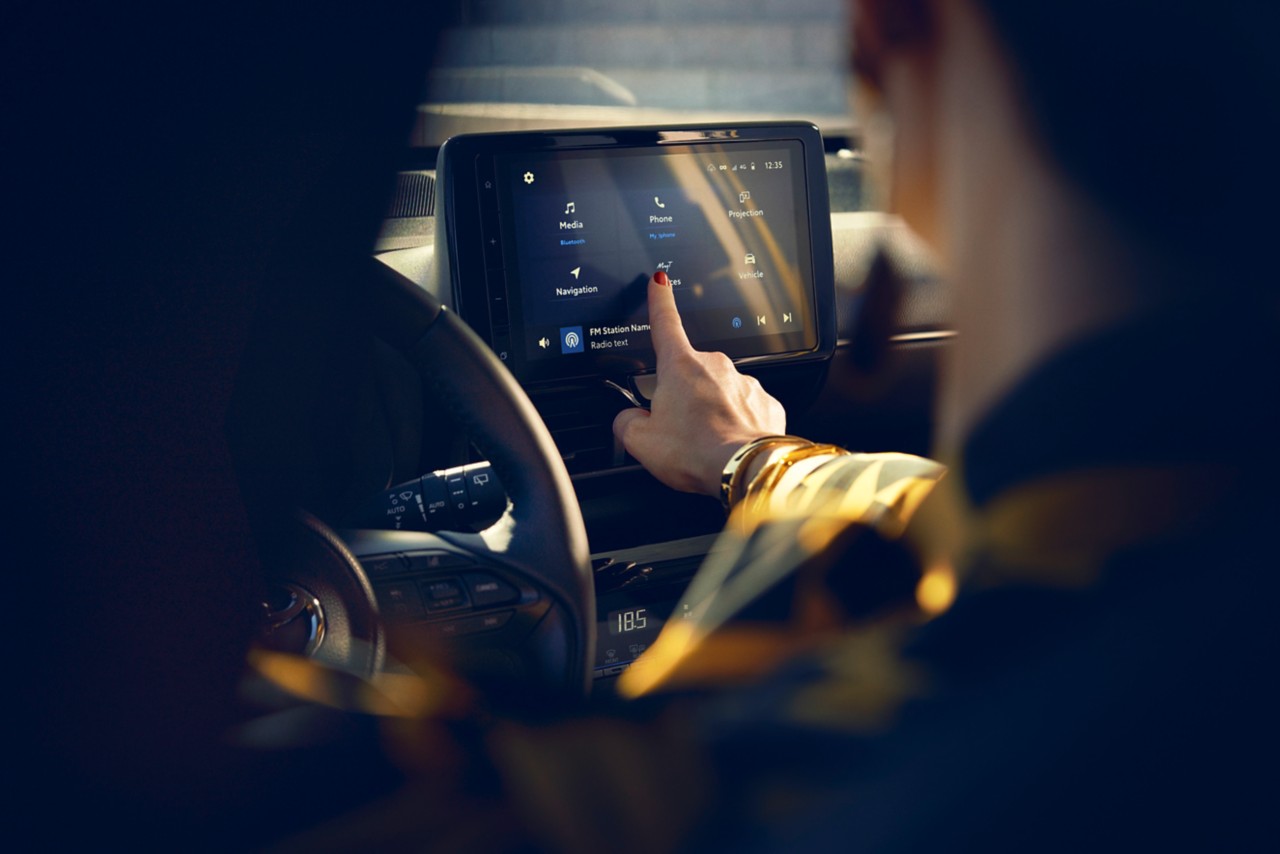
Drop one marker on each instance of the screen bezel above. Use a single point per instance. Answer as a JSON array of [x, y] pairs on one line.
[[471, 232]]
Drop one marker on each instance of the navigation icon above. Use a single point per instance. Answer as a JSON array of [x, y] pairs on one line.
[[575, 272]]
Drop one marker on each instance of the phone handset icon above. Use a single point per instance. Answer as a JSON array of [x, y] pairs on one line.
[[657, 201]]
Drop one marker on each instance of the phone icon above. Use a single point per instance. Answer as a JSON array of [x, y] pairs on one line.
[[657, 201]]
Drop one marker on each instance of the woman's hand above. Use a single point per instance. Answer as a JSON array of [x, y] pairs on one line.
[[702, 410]]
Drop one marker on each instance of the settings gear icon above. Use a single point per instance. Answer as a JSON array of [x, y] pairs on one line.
[[528, 177]]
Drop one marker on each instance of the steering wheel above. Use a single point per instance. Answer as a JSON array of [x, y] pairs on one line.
[[518, 614]]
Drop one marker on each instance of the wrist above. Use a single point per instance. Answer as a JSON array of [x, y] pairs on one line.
[[748, 460]]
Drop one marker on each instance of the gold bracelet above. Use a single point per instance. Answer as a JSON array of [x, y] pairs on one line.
[[730, 478], [761, 489]]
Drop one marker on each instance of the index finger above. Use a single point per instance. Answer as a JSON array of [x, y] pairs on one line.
[[664, 319]]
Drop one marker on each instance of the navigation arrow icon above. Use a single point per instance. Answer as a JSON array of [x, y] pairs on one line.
[[575, 271]]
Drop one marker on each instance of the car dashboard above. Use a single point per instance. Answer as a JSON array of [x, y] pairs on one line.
[[859, 373]]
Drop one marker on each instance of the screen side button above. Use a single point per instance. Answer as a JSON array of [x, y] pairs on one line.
[[491, 234]]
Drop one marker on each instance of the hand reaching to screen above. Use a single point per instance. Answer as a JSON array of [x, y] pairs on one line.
[[702, 409]]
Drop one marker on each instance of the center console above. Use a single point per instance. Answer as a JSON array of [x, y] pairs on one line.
[[545, 243]]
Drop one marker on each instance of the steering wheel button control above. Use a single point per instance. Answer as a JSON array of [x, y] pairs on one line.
[[423, 561], [448, 603], [471, 625], [383, 566], [489, 622], [487, 590], [444, 588], [400, 600]]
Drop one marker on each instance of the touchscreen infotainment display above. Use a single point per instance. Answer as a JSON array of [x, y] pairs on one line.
[[573, 233]]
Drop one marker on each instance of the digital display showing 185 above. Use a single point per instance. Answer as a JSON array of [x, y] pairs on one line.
[[628, 620]]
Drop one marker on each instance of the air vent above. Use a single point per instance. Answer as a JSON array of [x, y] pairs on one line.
[[415, 195], [581, 422]]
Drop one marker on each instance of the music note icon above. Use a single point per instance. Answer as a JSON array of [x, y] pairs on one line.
[[569, 208]]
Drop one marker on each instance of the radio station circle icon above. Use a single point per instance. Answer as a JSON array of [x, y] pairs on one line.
[[571, 339]]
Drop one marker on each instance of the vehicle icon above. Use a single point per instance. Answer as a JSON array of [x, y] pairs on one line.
[[749, 259]]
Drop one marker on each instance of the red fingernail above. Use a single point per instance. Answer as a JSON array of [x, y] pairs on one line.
[[661, 278]]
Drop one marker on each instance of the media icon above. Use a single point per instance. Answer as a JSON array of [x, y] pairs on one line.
[[571, 339], [786, 317], [761, 320], [736, 323], [570, 208]]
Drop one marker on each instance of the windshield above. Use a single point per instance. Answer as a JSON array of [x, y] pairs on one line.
[[536, 64]]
